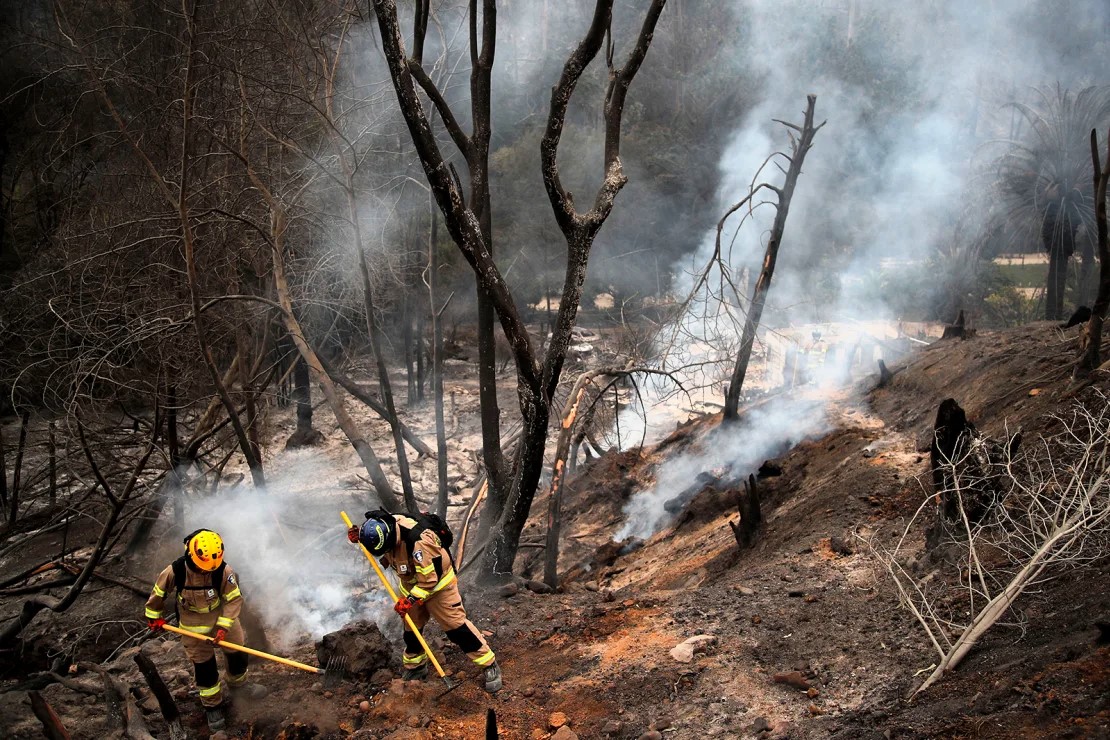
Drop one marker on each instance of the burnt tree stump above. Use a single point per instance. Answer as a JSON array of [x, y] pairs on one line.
[[1081, 316], [491, 724], [967, 469], [885, 375], [951, 434], [747, 505], [957, 330]]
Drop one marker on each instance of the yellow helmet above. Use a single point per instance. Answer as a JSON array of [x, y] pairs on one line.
[[206, 549]]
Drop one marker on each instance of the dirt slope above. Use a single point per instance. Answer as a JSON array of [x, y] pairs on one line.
[[807, 604]]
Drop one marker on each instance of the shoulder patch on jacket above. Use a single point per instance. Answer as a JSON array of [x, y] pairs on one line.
[[418, 556]]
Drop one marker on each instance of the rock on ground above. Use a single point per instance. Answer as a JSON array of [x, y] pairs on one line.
[[685, 650], [361, 644]]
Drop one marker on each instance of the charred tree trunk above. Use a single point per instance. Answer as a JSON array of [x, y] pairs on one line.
[[374, 329], [17, 471], [3, 470], [950, 435], [253, 421], [437, 366], [759, 297], [957, 329], [302, 392], [1090, 347], [406, 341], [287, 357], [949, 456], [421, 357], [177, 488], [304, 435], [468, 224], [1057, 281], [885, 375], [491, 725], [52, 463], [192, 279]]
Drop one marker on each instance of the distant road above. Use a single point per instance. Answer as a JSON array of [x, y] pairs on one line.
[[1033, 258]]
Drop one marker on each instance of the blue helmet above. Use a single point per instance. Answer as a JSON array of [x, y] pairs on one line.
[[376, 535]]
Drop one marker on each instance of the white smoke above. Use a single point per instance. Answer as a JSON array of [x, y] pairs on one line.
[[739, 449], [289, 545], [913, 94]]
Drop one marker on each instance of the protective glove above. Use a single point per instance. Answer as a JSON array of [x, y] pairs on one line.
[[352, 534], [220, 636], [405, 603], [156, 625]]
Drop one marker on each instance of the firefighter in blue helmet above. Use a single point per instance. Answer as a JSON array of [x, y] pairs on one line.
[[412, 547]]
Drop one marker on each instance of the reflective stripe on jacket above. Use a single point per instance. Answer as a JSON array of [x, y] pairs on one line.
[[200, 607], [428, 569]]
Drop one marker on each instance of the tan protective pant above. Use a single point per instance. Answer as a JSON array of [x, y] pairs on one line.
[[203, 655], [446, 608]]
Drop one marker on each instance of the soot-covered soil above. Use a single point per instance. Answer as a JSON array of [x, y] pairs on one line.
[[802, 636]]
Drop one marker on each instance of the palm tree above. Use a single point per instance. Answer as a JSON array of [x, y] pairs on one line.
[[1044, 179]]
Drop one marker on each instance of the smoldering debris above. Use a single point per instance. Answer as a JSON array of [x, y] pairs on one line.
[[724, 457], [360, 646]]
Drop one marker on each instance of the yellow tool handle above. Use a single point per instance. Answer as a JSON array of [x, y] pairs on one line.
[[244, 649], [393, 595]]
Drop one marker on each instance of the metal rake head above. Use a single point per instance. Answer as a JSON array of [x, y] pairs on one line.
[[335, 670], [451, 684]]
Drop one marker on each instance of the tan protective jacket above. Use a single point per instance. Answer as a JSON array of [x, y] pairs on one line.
[[429, 570], [200, 607]]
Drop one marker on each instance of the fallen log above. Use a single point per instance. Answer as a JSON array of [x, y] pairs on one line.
[[162, 693], [52, 727], [76, 570], [359, 393], [123, 715], [43, 586], [35, 570]]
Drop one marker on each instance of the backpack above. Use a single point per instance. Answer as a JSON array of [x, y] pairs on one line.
[[425, 520], [179, 577]]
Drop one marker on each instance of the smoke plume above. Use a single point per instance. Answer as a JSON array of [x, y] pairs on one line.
[[914, 95]]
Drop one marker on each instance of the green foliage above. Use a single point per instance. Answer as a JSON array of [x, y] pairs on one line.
[[1008, 307]]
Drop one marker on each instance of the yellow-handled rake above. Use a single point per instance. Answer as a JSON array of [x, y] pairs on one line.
[[450, 682], [333, 674]]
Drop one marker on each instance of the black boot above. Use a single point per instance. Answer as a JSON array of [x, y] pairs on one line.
[[419, 673], [493, 679], [216, 720]]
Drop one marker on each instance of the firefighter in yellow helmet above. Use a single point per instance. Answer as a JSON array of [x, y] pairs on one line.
[[208, 602]]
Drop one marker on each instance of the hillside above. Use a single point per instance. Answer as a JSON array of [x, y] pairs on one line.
[[806, 635]]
